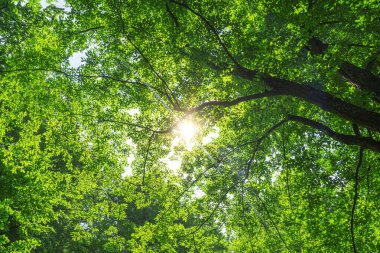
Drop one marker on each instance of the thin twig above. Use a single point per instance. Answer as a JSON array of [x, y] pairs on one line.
[[214, 31], [146, 157], [91, 29], [269, 216], [356, 195], [208, 218], [245, 218], [171, 98]]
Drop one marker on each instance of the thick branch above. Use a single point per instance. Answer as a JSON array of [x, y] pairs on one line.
[[363, 142], [322, 99], [362, 78], [326, 102], [357, 140], [239, 100]]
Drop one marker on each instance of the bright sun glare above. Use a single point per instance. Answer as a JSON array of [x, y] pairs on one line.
[[187, 131]]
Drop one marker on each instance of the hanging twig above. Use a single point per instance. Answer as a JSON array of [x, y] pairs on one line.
[[356, 194], [146, 157]]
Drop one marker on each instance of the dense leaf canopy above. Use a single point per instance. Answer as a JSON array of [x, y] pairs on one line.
[[96, 155]]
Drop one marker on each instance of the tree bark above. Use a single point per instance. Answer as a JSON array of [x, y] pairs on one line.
[[362, 142], [322, 99], [326, 102], [361, 78]]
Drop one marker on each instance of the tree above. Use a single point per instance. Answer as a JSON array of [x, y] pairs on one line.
[[292, 88]]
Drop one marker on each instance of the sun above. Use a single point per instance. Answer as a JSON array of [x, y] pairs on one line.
[[187, 131]]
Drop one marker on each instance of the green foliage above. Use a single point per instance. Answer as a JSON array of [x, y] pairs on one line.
[[85, 151]]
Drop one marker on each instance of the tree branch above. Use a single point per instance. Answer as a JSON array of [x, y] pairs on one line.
[[169, 95], [221, 199], [146, 157], [215, 32], [236, 101], [326, 101], [212, 28], [245, 217], [260, 140], [320, 98], [175, 19], [101, 120], [363, 142], [91, 29], [269, 216], [36, 69], [356, 195]]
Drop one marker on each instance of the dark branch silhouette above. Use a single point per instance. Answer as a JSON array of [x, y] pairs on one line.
[[146, 157], [239, 67], [168, 94], [175, 19], [236, 101], [363, 142], [356, 195], [91, 29]]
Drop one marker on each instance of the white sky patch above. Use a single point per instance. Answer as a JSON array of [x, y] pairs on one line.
[[130, 142], [58, 3], [128, 172], [171, 160], [106, 108], [77, 59], [275, 176], [198, 193], [173, 164], [223, 230], [134, 111], [211, 136]]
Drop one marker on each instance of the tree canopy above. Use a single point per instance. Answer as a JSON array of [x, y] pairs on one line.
[[189, 126]]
